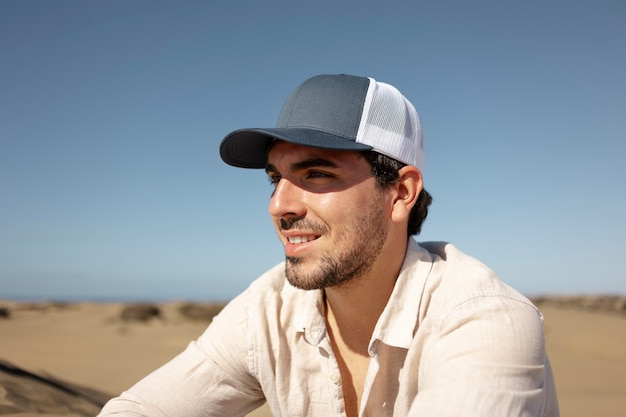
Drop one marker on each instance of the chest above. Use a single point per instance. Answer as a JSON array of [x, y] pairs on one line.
[[353, 369], [313, 380]]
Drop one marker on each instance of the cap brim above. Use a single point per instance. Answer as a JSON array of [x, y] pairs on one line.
[[247, 148]]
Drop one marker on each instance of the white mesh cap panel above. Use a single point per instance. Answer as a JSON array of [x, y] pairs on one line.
[[390, 125]]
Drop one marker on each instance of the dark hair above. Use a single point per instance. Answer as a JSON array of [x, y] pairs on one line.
[[385, 170]]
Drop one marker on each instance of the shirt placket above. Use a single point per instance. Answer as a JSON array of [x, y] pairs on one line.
[[372, 371], [331, 369]]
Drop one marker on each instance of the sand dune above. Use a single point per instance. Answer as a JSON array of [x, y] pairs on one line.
[[91, 346]]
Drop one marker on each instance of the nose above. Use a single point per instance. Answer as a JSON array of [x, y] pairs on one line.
[[287, 200]]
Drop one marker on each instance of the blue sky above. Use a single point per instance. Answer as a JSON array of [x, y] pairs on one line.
[[111, 114]]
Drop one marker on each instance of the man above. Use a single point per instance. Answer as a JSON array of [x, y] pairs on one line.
[[359, 319]]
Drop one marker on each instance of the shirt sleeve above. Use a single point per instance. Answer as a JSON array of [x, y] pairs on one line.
[[210, 378], [488, 359]]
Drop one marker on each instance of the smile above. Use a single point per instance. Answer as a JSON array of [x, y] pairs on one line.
[[301, 239]]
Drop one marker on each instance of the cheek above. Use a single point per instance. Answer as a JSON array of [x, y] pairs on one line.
[[344, 205], [335, 206], [326, 203]]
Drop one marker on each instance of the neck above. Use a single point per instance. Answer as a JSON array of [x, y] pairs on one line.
[[353, 308]]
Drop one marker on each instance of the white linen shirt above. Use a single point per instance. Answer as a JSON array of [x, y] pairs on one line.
[[453, 340]]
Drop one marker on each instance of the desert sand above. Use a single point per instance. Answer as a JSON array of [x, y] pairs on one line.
[[91, 345]]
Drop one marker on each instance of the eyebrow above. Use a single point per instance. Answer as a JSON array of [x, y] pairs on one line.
[[305, 164]]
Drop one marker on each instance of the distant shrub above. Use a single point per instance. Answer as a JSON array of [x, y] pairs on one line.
[[200, 312], [140, 312]]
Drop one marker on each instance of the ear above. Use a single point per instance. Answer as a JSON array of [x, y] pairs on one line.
[[407, 189]]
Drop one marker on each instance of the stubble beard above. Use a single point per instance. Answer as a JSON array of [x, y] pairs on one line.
[[355, 253]]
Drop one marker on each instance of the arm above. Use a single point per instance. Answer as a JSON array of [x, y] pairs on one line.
[[210, 378], [488, 359]]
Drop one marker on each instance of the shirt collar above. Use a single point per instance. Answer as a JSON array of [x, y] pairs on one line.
[[399, 319], [311, 320]]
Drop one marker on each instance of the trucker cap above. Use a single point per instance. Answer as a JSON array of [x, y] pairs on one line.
[[340, 112]]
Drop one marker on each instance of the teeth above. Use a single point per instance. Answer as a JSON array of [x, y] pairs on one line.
[[300, 239]]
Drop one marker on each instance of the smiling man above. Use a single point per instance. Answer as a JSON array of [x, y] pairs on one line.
[[329, 213], [360, 319]]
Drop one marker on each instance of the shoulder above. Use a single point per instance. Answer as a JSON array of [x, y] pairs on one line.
[[272, 288], [270, 300], [264, 310], [460, 284]]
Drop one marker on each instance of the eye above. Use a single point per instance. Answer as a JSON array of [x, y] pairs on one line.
[[274, 179], [317, 174]]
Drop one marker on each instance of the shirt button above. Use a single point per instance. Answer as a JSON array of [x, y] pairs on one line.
[[335, 378]]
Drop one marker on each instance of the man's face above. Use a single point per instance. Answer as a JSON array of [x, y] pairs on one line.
[[329, 213]]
